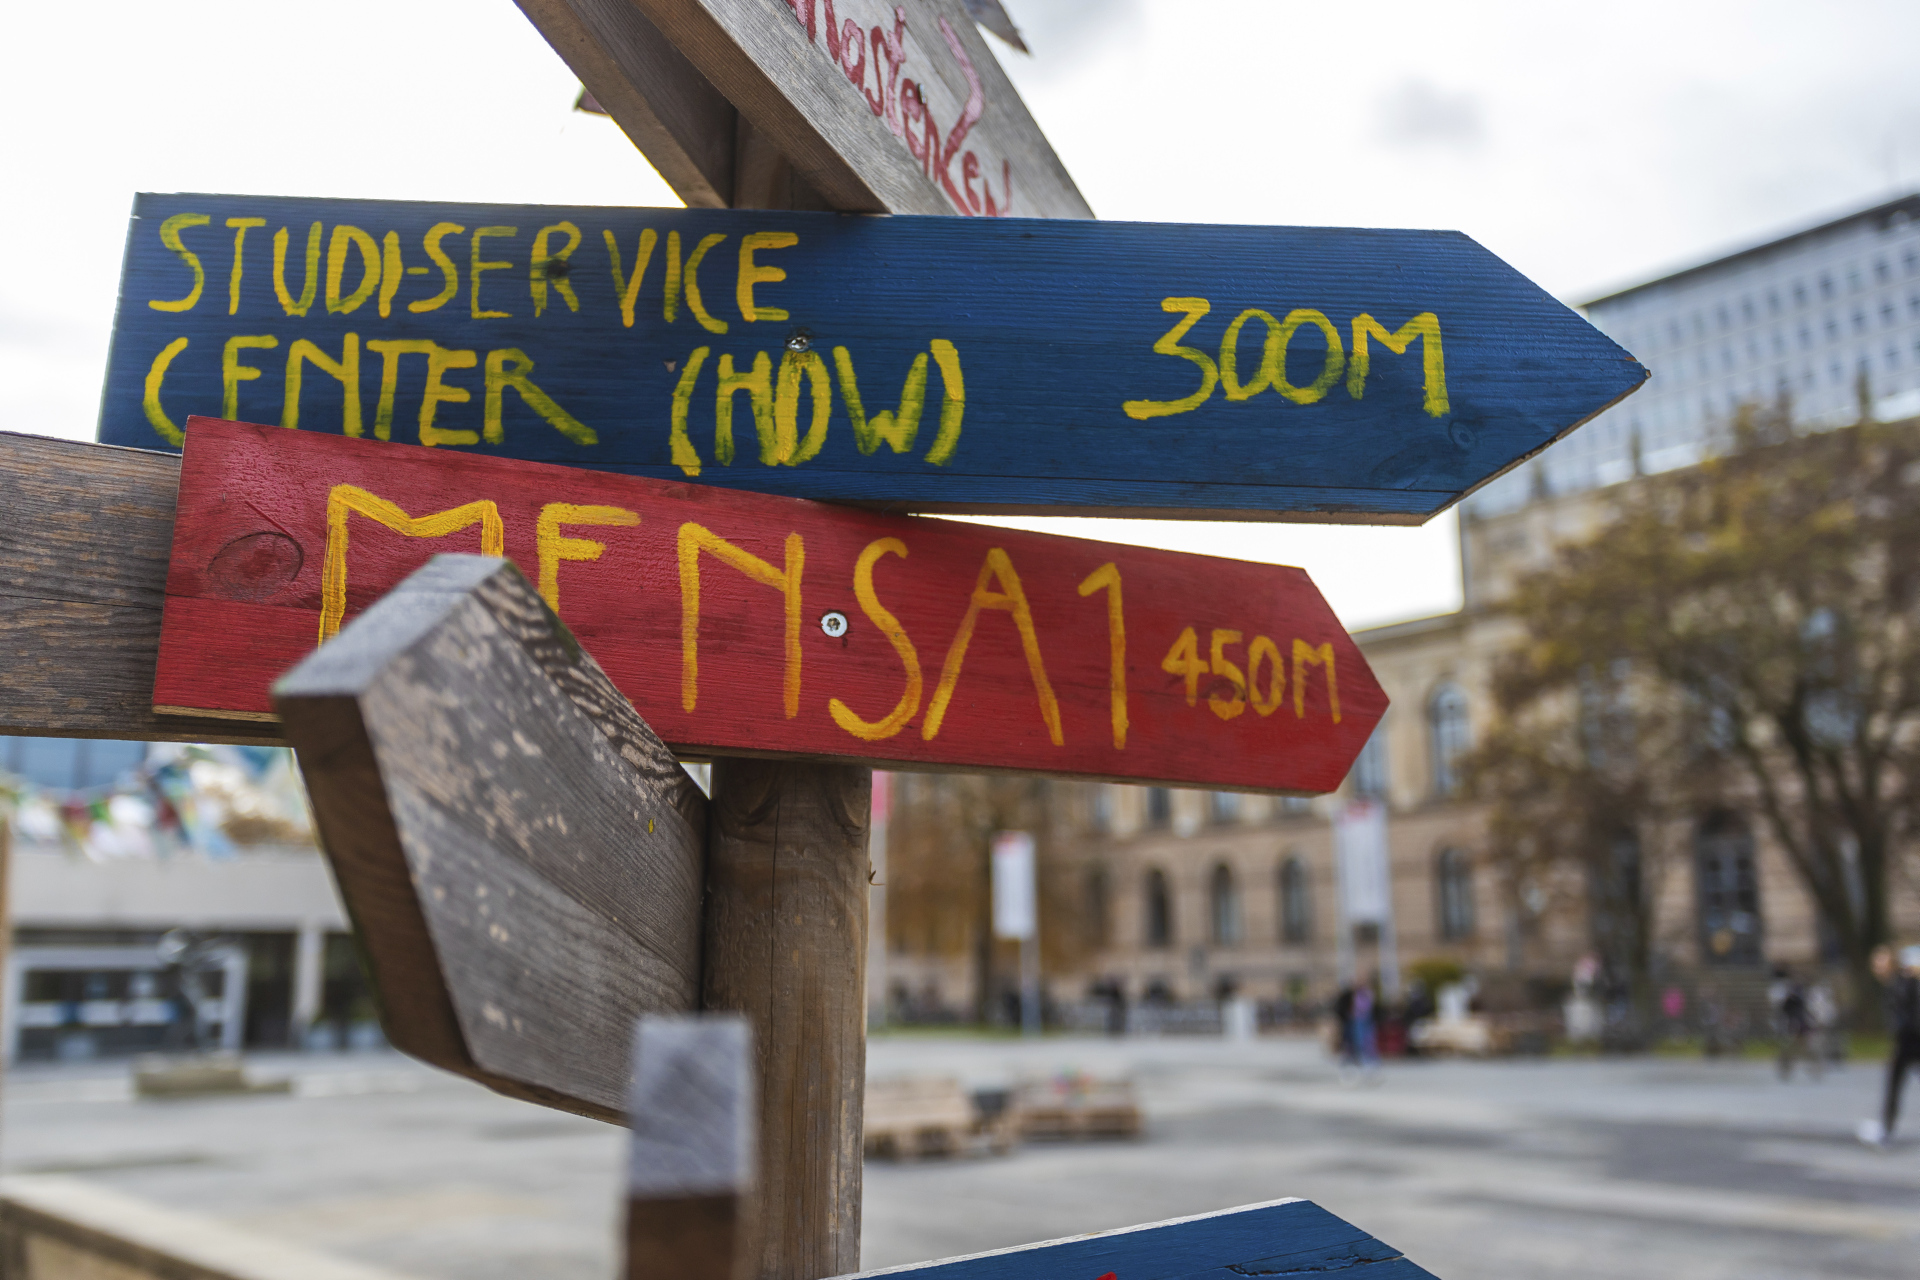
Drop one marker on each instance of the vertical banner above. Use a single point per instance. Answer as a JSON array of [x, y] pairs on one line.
[[1360, 846], [1015, 913], [1366, 888]]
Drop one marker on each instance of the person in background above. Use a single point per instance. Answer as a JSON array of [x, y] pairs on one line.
[[1366, 1047], [1344, 1049], [1899, 973], [1823, 1011], [1792, 1023]]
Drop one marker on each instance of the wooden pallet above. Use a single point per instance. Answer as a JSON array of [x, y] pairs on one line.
[[927, 1116], [1077, 1107]]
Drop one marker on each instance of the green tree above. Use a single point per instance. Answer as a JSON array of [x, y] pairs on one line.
[[1746, 632]]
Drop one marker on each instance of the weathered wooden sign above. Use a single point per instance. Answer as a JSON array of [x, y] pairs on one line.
[[521, 857], [739, 623], [924, 364], [883, 107], [1289, 1237]]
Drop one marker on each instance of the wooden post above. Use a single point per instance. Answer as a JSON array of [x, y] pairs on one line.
[[785, 942], [690, 1180], [785, 936]]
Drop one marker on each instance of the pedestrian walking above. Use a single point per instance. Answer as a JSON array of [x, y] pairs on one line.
[[1900, 974], [1366, 1050], [1793, 1023], [1824, 1012], [1343, 1049]]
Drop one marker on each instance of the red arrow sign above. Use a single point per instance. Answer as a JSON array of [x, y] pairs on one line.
[[740, 623]]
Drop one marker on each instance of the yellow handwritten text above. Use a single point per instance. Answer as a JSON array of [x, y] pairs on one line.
[[343, 499], [553, 547]]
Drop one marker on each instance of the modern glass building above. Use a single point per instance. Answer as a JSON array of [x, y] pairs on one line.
[[1820, 318]]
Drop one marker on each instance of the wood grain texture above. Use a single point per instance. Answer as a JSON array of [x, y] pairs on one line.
[[1282, 1238], [63, 1228], [691, 1173], [943, 645], [83, 566], [904, 363], [524, 892], [786, 945], [854, 115], [683, 125]]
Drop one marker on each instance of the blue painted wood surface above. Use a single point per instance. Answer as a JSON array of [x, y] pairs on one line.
[[1068, 366], [1283, 1238]]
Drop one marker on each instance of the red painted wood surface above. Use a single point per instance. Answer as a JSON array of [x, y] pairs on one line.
[[963, 647]]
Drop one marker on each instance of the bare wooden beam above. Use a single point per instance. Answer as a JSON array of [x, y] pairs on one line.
[[523, 891], [690, 1183], [83, 568], [786, 944], [683, 125]]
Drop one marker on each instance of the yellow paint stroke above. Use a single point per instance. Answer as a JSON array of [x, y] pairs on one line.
[[1169, 345], [909, 704], [552, 547], [1426, 327], [1264, 649], [170, 236], [344, 499], [1304, 656], [1107, 578], [1012, 599], [694, 539]]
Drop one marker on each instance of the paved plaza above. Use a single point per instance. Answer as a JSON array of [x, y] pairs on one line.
[[1580, 1170]]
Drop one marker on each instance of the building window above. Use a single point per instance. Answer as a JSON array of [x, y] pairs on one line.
[[1296, 806], [1727, 891], [1447, 719], [1097, 906], [1453, 876], [1296, 902], [1224, 902], [1370, 766], [1159, 909], [1159, 806], [1223, 807]]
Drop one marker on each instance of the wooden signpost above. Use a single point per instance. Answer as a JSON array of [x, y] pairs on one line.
[[743, 624], [522, 856], [908, 364]]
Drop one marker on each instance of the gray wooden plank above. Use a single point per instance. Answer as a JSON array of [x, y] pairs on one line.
[[524, 892], [781, 78], [683, 125]]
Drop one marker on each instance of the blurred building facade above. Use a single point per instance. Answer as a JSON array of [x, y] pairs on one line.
[[1192, 896], [116, 846]]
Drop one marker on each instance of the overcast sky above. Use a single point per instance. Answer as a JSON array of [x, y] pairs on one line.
[[1589, 145]]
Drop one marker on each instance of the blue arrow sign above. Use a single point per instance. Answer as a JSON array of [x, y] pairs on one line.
[[919, 364], [1283, 1238]]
